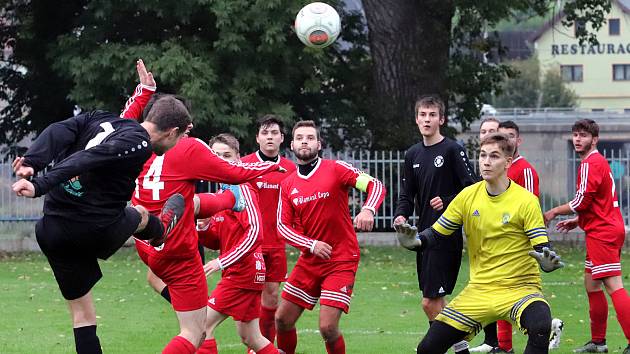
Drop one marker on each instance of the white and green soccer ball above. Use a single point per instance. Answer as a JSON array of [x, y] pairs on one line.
[[317, 25]]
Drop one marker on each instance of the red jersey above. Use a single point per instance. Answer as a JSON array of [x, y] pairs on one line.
[[177, 171], [268, 187], [315, 208], [596, 200], [524, 174], [240, 238]]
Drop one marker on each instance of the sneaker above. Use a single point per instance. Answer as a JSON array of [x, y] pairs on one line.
[[592, 347], [627, 350], [556, 332], [239, 204], [500, 350], [483, 348], [171, 214]]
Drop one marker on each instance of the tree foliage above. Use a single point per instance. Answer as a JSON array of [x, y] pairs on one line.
[[238, 59], [233, 60]]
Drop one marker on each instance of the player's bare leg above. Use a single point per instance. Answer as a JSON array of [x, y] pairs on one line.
[[192, 325], [213, 319], [286, 316], [83, 315], [329, 328], [433, 306], [252, 338]]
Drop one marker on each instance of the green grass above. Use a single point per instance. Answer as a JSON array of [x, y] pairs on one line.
[[385, 315]]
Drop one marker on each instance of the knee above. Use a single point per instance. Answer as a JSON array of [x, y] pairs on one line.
[[283, 323], [270, 296], [330, 332], [432, 306]]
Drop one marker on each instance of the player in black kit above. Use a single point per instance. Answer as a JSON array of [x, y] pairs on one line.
[[97, 157], [435, 171]]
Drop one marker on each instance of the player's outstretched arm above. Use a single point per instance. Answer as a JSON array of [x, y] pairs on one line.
[[142, 94], [567, 225], [548, 259]]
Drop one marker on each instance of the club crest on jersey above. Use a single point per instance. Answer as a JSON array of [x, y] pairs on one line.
[[506, 218], [73, 186], [266, 185], [438, 161], [318, 195]]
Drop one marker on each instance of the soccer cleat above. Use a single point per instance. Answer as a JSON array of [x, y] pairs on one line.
[[483, 348], [556, 332], [627, 350], [591, 347], [239, 200], [172, 212], [500, 350]]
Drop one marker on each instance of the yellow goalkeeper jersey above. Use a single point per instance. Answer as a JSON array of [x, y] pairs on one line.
[[500, 231]]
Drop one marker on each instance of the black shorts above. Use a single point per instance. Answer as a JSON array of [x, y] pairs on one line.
[[73, 248], [438, 267]]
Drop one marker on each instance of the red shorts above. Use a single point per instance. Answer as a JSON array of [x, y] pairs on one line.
[[330, 282], [185, 278], [276, 265], [241, 304], [603, 258]]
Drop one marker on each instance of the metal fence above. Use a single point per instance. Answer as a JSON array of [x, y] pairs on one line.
[[557, 181]]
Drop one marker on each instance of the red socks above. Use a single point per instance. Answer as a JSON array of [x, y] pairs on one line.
[[268, 323], [269, 349], [504, 334], [209, 346], [598, 311], [287, 341], [179, 345], [621, 302], [212, 203], [336, 347]]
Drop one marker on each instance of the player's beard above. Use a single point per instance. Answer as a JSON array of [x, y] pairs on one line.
[[306, 156]]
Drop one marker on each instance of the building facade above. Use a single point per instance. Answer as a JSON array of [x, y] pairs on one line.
[[599, 74]]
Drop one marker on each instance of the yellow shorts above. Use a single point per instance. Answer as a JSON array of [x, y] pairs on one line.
[[478, 305]]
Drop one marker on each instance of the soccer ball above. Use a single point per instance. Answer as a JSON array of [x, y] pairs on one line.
[[317, 25]]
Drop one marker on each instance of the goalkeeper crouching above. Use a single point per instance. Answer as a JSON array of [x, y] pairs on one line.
[[507, 244]]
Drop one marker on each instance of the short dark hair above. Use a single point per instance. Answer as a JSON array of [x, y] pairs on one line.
[[490, 119], [587, 125], [504, 142], [227, 139], [268, 120], [430, 101], [167, 111], [508, 124], [305, 123]]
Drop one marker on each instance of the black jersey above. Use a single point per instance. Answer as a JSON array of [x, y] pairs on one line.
[[440, 170], [97, 157]]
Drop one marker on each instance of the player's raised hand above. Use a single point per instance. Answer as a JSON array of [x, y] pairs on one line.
[[24, 188], [436, 203], [567, 225], [548, 216], [211, 267], [407, 236], [20, 170], [548, 259], [364, 221], [146, 77], [322, 250]]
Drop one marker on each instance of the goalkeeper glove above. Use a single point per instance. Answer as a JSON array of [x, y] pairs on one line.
[[408, 236], [548, 259]]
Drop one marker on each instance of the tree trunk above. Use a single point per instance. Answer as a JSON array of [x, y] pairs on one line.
[[408, 62]]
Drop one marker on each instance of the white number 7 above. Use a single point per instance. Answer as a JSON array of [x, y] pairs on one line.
[[107, 129], [615, 201]]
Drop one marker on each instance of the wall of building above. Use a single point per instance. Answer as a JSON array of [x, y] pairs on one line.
[[557, 45]]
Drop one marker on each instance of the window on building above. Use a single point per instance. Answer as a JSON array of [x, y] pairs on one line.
[[580, 27], [571, 73], [621, 72], [613, 27]]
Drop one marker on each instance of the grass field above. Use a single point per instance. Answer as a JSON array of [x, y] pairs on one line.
[[385, 316]]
